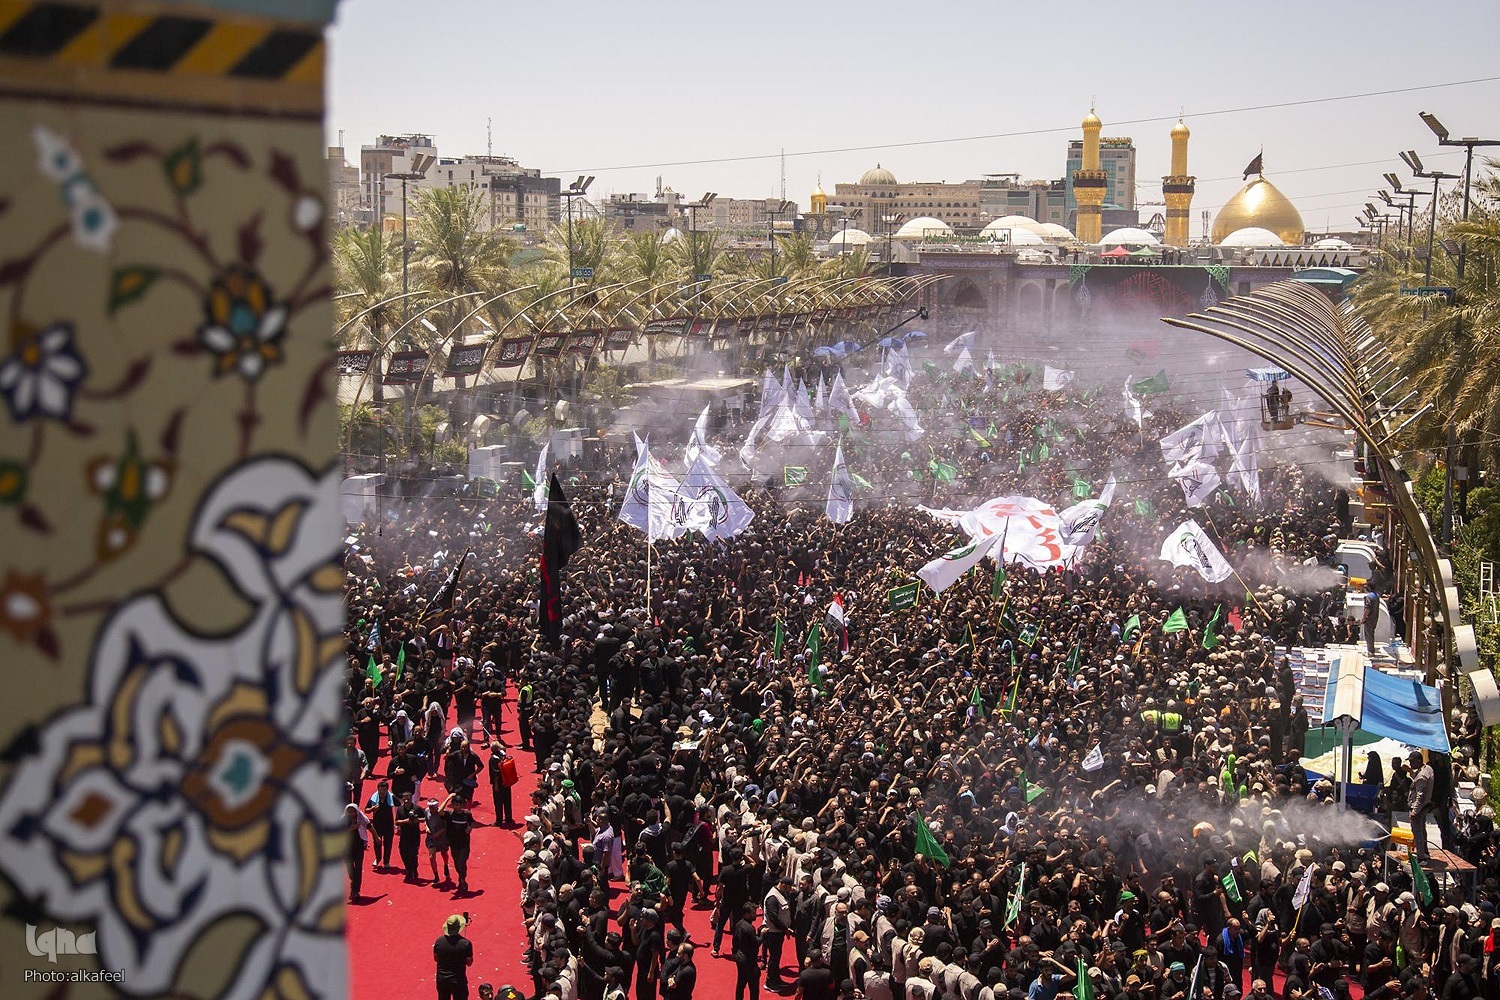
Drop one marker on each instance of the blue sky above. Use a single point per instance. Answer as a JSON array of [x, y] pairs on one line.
[[597, 85]]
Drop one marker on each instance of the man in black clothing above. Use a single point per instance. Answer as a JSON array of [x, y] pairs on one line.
[[499, 790], [454, 954], [1464, 983], [816, 982], [745, 950]]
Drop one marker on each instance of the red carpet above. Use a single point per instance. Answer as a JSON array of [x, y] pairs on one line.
[[392, 928]]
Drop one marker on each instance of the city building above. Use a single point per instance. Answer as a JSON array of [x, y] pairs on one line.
[[343, 188], [877, 203], [515, 196], [1006, 194], [633, 212], [1117, 160]]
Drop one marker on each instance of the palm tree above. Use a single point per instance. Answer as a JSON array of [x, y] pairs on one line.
[[1449, 350], [367, 267]]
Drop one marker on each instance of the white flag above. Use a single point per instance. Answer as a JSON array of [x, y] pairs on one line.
[[802, 402], [1199, 439], [1189, 546], [1095, 759], [1304, 888], [1054, 379], [1240, 428], [539, 492], [898, 364], [960, 343], [770, 393], [698, 443], [706, 504], [820, 401], [648, 499], [840, 508], [964, 362], [1133, 408], [944, 571], [1198, 480], [640, 444], [1081, 521], [839, 400]]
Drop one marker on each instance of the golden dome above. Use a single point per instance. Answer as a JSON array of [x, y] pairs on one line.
[[1259, 205], [1180, 129], [877, 176], [1092, 121]]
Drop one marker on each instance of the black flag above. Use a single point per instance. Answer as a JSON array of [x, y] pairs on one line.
[[1255, 166], [443, 602], [560, 539]]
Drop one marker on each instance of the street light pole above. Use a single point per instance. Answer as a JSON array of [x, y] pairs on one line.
[[1469, 143], [781, 210], [575, 190], [420, 164]]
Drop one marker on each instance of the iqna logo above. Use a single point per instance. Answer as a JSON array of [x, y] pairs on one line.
[[58, 941]]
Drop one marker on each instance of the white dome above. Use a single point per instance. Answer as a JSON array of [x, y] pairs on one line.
[[851, 237], [671, 235], [1014, 237], [1053, 231], [1333, 243], [1252, 237], [1016, 222], [922, 225], [1129, 236]]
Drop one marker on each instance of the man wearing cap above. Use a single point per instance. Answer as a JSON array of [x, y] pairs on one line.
[[1419, 802], [1463, 984], [453, 954]]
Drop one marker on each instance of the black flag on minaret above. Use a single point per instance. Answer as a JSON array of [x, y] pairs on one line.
[[1255, 166], [560, 539]]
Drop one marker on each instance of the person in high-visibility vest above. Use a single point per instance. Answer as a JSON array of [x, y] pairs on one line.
[[525, 708]]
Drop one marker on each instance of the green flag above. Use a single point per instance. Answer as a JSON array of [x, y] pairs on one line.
[[1013, 908], [904, 596], [926, 843], [1176, 622], [997, 586], [1081, 491], [977, 700], [1132, 626], [859, 480], [1015, 689], [1029, 792], [1144, 508], [1419, 881], [1072, 661], [942, 471], [400, 661], [778, 637], [1211, 631], [527, 481], [814, 652], [1084, 988], [979, 438], [1152, 384], [794, 475], [1028, 634], [373, 671]]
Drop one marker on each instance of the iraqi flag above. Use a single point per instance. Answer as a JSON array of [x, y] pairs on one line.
[[837, 622]]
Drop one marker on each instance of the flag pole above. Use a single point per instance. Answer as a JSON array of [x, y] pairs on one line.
[[1207, 516], [649, 547]]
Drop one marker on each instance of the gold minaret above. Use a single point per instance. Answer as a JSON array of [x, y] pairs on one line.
[[1177, 189], [1090, 184]]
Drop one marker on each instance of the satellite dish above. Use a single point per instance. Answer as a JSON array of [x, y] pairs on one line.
[[520, 418], [561, 410]]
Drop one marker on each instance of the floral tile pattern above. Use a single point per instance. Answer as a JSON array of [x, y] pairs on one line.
[[170, 599]]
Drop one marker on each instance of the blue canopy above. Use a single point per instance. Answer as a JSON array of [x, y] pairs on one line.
[[914, 335], [846, 347], [828, 352], [889, 342], [1402, 709], [1267, 374]]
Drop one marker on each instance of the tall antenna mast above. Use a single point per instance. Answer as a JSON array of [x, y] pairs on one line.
[[783, 173], [489, 137]]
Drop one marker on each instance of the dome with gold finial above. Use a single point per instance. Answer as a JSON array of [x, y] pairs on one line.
[[818, 203], [877, 175], [1180, 129], [1260, 205], [1091, 120]]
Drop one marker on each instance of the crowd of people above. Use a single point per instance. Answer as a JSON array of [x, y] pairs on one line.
[[926, 804]]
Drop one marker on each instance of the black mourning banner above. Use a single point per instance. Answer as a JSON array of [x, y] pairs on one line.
[[673, 326], [466, 359], [353, 364], [406, 367], [549, 345], [701, 328], [585, 341], [619, 338], [513, 352]]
